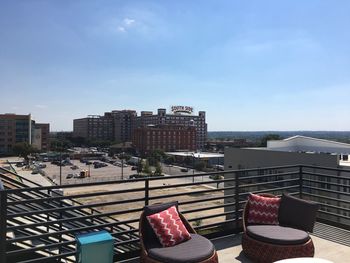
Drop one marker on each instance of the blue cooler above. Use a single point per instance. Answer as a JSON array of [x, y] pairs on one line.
[[95, 247]]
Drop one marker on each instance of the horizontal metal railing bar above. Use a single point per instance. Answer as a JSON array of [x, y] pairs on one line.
[[327, 175], [63, 232], [335, 207], [58, 198], [327, 198], [206, 199], [324, 168], [267, 175], [270, 182], [70, 219], [326, 190], [74, 201], [206, 208], [51, 210], [20, 177], [46, 259], [128, 242], [222, 181], [72, 231], [333, 214], [189, 193], [215, 224], [328, 183], [270, 190], [211, 216], [38, 248], [188, 184], [153, 178]]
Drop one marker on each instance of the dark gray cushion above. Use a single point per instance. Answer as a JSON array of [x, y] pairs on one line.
[[150, 239], [278, 235], [297, 213], [196, 249]]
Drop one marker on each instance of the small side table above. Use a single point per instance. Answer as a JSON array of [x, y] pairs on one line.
[[95, 247]]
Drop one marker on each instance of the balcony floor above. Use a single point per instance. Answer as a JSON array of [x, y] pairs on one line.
[[230, 250]]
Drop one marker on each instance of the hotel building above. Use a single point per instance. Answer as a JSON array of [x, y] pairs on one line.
[[164, 137]]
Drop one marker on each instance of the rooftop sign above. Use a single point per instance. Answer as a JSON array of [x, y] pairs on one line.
[[182, 109]]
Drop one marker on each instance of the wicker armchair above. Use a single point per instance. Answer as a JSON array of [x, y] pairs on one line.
[[269, 243], [197, 249]]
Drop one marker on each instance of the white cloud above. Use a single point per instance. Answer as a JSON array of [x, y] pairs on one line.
[[128, 21], [121, 29], [39, 106]]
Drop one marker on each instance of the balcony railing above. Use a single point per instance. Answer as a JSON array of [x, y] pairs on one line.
[[39, 224]]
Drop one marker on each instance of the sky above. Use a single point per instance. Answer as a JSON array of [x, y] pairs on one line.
[[251, 65]]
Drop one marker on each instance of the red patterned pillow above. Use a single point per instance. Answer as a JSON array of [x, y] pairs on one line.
[[168, 227], [263, 210]]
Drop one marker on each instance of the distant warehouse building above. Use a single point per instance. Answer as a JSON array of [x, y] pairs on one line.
[[165, 138], [21, 128]]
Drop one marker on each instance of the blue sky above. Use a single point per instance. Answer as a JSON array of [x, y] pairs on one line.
[[251, 65]]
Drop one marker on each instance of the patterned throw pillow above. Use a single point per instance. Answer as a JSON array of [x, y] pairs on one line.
[[263, 210], [168, 227]]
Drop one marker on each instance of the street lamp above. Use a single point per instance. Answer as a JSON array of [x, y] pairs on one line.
[[192, 167], [122, 157]]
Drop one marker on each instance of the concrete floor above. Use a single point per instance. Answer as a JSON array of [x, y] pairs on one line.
[[230, 250]]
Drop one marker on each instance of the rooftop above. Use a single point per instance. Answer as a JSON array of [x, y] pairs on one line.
[[40, 223]]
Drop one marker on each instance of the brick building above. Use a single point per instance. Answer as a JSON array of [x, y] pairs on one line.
[[119, 125], [178, 117], [164, 137]]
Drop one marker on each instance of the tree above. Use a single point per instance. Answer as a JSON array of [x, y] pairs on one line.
[[139, 166], [269, 137], [147, 168], [158, 171], [23, 149]]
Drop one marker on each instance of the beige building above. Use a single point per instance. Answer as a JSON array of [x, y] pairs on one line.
[[249, 158]]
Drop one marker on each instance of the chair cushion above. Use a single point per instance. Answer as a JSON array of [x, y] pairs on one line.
[[150, 238], [196, 249], [168, 227], [263, 210], [297, 213], [278, 235]]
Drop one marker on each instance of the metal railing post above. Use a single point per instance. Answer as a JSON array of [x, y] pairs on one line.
[[3, 231], [300, 181], [146, 191], [237, 198]]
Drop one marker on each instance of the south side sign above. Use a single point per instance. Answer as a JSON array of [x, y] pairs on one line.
[[183, 109]]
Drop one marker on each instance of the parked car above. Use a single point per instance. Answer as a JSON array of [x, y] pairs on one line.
[[184, 169], [70, 176], [74, 167], [133, 168], [135, 176], [19, 164]]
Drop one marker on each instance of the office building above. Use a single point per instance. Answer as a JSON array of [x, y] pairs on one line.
[[94, 127], [21, 128]]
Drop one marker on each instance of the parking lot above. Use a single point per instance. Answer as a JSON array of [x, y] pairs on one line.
[[109, 172]]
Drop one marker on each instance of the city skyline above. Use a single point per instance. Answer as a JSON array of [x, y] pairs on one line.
[[250, 66]]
